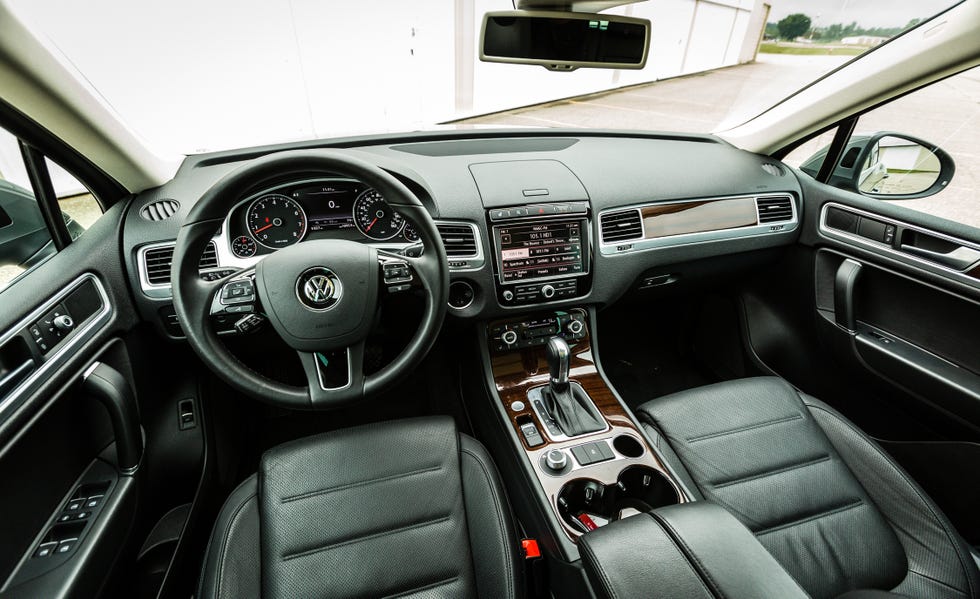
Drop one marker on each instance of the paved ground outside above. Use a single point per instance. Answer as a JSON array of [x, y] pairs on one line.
[[946, 114]]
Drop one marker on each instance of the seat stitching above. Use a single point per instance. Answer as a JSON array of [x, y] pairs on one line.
[[745, 428], [823, 514], [424, 587], [499, 512], [782, 470], [888, 460], [362, 483], [935, 580], [368, 537], [224, 543]]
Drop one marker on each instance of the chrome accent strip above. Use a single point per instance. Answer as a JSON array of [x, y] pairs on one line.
[[57, 356], [909, 259], [642, 244]]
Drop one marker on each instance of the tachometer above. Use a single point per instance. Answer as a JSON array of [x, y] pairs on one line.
[[276, 221], [375, 218]]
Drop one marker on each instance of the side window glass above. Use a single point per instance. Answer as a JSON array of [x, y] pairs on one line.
[[78, 206], [24, 237], [917, 152]]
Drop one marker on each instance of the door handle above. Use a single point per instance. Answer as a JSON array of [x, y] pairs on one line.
[[10, 379], [959, 258], [112, 389], [844, 283]]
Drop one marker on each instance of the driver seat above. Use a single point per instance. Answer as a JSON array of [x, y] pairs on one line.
[[409, 508]]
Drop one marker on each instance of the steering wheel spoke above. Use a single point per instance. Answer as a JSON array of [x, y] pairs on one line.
[[235, 303], [334, 375]]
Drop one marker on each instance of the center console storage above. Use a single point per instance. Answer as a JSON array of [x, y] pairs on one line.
[[695, 550]]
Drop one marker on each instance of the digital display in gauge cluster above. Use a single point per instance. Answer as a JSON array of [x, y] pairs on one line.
[[330, 204]]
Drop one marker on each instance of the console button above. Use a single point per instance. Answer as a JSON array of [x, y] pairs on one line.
[[531, 435], [581, 455]]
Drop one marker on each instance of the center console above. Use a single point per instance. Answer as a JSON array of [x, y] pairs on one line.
[[591, 478]]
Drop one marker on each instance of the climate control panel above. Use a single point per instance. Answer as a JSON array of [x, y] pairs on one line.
[[535, 332]]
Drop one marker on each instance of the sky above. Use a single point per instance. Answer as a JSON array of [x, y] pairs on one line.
[[867, 13]]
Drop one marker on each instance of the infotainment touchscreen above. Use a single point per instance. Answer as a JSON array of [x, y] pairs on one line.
[[543, 250]]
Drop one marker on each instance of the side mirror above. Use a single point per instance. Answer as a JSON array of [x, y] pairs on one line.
[[886, 165], [894, 166]]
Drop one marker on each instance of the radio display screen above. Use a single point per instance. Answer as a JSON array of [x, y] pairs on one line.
[[528, 252]]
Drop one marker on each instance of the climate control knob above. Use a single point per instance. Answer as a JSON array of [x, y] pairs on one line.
[[575, 327], [509, 337], [547, 291], [556, 460]]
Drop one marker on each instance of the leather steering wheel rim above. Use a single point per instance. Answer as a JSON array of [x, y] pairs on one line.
[[192, 296]]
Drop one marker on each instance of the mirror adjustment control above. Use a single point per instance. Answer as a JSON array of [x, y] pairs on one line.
[[64, 323]]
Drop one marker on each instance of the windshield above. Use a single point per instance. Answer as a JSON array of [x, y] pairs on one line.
[[191, 77]]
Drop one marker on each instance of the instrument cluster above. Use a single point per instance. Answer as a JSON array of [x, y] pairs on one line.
[[315, 209]]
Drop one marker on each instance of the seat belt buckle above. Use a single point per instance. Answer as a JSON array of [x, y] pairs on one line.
[[531, 549]]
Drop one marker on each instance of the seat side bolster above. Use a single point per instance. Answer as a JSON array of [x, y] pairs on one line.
[[493, 540], [938, 560], [231, 567]]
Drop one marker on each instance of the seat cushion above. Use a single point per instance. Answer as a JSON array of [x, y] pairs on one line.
[[407, 509], [754, 447]]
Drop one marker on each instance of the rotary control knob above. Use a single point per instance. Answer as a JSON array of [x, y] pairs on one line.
[[575, 327], [547, 291], [63, 323], [508, 295], [556, 460], [509, 337]]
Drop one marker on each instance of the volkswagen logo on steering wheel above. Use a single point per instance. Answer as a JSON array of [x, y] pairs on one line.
[[318, 288]]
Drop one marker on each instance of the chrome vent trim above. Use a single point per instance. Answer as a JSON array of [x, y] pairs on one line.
[[623, 225], [156, 261], [774, 209]]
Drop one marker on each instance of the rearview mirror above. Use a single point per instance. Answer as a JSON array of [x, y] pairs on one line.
[[565, 41], [886, 165]]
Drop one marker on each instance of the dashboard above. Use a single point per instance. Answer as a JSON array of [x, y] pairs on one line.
[[530, 219]]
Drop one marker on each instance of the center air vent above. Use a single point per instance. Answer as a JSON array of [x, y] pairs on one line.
[[774, 209], [621, 226], [459, 239], [157, 262], [160, 210]]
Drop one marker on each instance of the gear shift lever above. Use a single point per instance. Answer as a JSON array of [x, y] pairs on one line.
[[568, 404], [559, 356]]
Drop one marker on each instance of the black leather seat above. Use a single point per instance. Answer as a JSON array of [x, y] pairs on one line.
[[823, 498], [402, 509]]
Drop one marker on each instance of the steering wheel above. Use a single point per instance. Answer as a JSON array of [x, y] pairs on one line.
[[320, 296]]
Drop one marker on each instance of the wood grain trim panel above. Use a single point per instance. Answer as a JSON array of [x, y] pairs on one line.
[[517, 372], [666, 220]]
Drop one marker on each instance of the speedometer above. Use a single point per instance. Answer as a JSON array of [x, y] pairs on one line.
[[375, 218], [276, 221]]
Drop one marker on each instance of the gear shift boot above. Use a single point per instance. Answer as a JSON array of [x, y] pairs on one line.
[[573, 410]]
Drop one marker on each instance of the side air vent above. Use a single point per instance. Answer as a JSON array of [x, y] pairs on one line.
[[459, 239], [157, 262], [621, 226], [160, 210], [774, 209]]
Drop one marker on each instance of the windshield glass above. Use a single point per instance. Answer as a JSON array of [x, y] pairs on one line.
[[190, 77]]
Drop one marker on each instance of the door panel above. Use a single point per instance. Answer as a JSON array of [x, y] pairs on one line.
[[56, 441]]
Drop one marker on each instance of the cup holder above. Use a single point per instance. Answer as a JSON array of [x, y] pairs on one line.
[[586, 504], [628, 446]]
